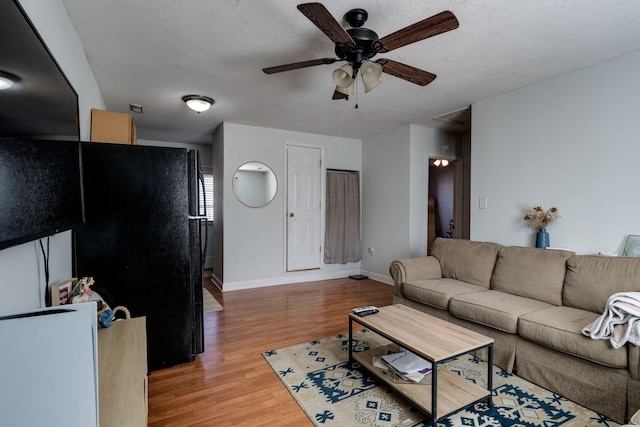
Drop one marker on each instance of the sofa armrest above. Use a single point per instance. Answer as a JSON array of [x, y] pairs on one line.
[[404, 270], [633, 352]]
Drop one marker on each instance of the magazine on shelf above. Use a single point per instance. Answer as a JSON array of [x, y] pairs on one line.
[[401, 365], [407, 362]]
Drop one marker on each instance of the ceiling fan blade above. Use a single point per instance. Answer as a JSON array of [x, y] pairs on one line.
[[339, 95], [406, 72], [320, 16], [437, 24], [298, 65]]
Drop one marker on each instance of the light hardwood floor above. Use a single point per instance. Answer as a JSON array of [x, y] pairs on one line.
[[231, 384]]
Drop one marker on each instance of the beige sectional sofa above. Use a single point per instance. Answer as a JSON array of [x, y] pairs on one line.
[[534, 303]]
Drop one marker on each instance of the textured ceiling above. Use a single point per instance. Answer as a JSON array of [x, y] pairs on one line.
[[152, 52]]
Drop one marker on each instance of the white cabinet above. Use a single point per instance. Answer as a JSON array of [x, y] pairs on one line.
[[48, 367]]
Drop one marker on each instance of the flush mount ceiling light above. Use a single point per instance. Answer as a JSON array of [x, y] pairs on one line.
[[7, 80], [198, 103]]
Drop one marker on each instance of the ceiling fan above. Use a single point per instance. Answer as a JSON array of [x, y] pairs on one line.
[[357, 45]]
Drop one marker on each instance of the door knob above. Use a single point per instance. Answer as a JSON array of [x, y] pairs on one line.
[[290, 214]]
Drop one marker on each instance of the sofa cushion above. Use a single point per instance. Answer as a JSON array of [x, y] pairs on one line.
[[464, 260], [592, 279], [499, 310], [437, 292], [560, 328], [532, 273]]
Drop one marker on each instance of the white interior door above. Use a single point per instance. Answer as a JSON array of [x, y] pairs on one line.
[[303, 208]]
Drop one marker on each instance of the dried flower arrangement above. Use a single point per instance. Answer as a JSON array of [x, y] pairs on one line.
[[538, 218]]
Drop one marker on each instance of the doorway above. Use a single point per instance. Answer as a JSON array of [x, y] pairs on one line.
[[443, 202], [303, 208]]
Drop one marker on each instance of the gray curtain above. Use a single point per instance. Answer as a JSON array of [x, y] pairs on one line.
[[342, 228]]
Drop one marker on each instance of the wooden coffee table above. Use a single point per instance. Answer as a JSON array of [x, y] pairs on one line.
[[442, 392]]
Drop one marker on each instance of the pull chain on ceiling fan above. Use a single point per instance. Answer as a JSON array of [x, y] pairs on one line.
[[357, 45]]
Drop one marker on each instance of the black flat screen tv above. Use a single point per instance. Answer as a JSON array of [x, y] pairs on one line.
[[40, 189], [40, 170], [41, 104]]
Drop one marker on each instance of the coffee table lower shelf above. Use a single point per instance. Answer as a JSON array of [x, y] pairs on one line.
[[454, 391]]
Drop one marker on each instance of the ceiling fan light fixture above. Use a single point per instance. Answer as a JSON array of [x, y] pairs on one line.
[[349, 90], [371, 70], [371, 73], [369, 86], [343, 76], [357, 45], [198, 103]]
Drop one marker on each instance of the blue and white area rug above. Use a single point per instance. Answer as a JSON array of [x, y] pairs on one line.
[[317, 375]]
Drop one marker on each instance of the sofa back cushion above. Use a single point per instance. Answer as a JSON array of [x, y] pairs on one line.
[[464, 260], [532, 273], [592, 279]]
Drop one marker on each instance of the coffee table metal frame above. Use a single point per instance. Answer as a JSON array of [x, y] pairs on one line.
[[409, 391]]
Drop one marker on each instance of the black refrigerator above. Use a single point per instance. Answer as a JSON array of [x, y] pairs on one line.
[[142, 241]]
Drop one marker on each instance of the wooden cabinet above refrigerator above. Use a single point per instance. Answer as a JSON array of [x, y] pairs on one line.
[[109, 126]]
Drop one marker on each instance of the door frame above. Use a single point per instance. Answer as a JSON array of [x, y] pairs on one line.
[[458, 193], [285, 202]]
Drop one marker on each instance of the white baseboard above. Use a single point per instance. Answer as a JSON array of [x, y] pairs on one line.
[[289, 278], [216, 281], [378, 277]]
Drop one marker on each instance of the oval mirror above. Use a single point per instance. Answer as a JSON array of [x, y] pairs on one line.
[[254, 184]]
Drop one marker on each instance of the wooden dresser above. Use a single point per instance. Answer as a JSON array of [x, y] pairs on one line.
[[122, 373]]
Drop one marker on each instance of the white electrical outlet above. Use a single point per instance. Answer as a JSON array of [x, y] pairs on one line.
[[371, 250], [482, 203]]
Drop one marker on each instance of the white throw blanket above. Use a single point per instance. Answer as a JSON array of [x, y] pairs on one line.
[[620, 321]]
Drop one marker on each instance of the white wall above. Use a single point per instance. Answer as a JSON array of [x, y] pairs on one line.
[[254, 239], [395, 194], [206, 152], [218, 205], [569, 142], [385, 200], [21, 267]]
